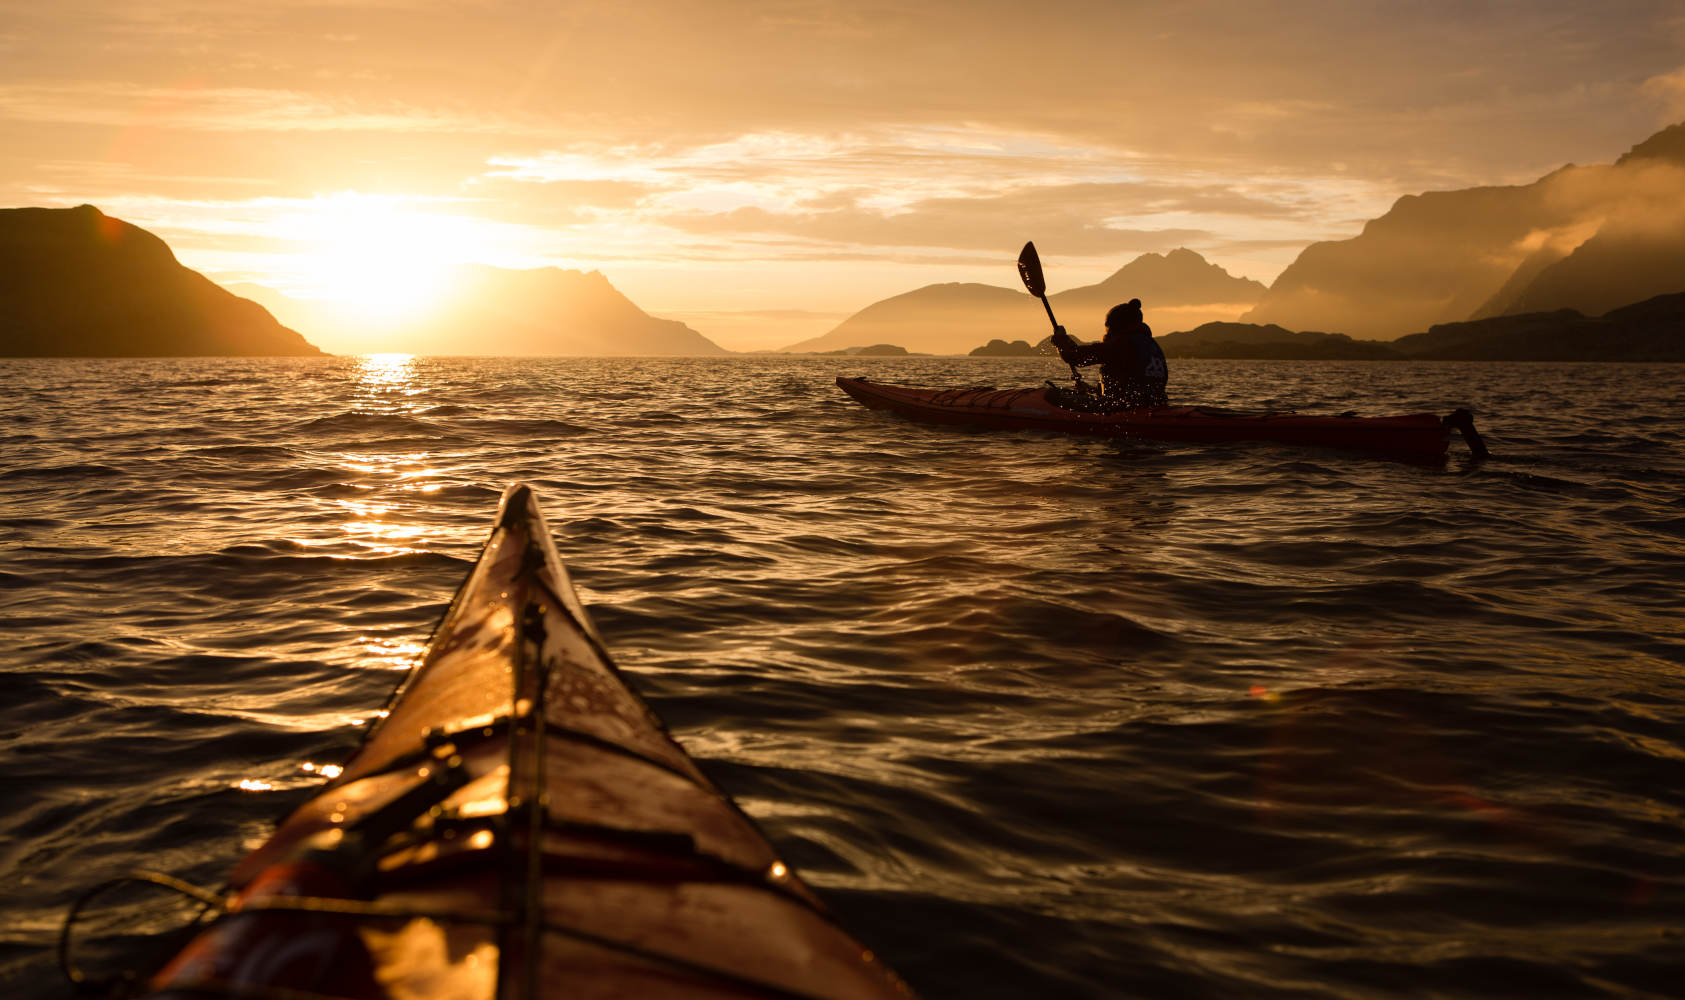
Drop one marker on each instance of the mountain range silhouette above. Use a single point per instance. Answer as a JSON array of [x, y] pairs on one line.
[[1518, 272], [1463, 271], [1180, 287]]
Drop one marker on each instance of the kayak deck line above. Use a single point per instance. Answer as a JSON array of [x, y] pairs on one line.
[[519, 824], [1417, 435]]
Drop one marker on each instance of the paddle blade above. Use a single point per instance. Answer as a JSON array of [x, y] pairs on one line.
[[1029, 268]]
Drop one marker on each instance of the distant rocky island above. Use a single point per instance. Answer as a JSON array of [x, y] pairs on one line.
[[998, 348], [1018, 349], [75, 282], [873, 351]]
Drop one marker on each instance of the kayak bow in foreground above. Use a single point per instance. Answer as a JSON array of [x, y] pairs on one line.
[[519, 824], [1420, 435]]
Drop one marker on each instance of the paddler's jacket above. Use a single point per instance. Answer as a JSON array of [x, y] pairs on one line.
[[1132, 368]]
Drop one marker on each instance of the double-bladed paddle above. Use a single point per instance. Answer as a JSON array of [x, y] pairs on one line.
[[1029, 268]]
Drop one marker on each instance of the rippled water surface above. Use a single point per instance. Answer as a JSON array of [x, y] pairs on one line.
[[1038, 715]]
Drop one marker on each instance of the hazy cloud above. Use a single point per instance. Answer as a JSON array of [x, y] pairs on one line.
[[945, 223], [219, 110], [925, 188], [1669, 88]]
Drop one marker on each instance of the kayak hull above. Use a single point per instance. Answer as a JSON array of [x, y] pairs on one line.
[[519, 824], [1416, 434]]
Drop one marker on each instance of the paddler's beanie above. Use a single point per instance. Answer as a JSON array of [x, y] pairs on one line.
[[1124, 312]]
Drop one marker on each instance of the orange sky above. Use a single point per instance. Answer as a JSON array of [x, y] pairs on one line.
[[762, 169]]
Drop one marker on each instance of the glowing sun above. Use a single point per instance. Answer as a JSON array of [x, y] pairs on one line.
[[375, 259]]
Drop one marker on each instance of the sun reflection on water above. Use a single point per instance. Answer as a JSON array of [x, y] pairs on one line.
[[378, 372], [376, 652], [383, 385]]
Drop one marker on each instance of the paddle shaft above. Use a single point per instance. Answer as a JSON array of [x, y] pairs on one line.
[[1076, 375], [1049, 307]]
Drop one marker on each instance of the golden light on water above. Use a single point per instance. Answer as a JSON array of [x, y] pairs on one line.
[[367, 527], [370, 525], [384, 385], [394, 465], [384, 537], [374, 461], [387, 654], [385, 372]]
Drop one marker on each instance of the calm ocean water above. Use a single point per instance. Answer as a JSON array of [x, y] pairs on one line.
[[1039, 716]]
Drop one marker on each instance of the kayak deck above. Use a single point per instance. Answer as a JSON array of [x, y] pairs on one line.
[[519, 824], [1415, 434]]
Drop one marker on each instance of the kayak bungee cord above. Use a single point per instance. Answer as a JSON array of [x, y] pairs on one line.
[[122, 983]]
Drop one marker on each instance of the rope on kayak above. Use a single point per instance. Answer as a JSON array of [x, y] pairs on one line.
[[124, 981], [247, 991]]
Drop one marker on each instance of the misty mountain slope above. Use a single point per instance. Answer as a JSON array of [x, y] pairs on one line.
[[1610, 270], [75, 282], [1431, 258], [949, 318], [497, 311], [1448, 256], [1515, 286], [553, 311]]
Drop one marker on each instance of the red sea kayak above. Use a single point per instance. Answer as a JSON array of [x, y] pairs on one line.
[[519, 825], [1416, 434]]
